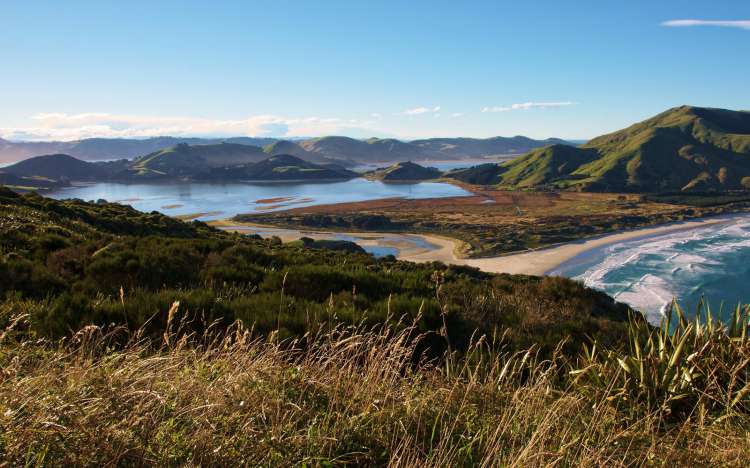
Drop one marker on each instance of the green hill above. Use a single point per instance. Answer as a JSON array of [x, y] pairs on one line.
[[482, 174], [278, 168], [405, 171], [481, 147], [62, 166], [23, 184], [224, 161], [185, 160], [372, 150], [682, 149]]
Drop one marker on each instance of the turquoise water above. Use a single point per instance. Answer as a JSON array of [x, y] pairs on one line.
[[225, 200], [711, 261]]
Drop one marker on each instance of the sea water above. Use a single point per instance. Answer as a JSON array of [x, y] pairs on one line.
[[710, 261]]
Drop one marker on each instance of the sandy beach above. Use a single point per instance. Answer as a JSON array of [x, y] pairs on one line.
[[545, 260], [412, 247]]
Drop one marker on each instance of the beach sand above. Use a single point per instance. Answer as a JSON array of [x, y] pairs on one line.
[[536, 262], [545, 260]]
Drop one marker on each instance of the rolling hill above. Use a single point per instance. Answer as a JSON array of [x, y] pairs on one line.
[[23, 184], [99, 149], [283, 167], [203, 162], [405, 171], [184, 160], [63, 166], [348, 151], [372, 150], [392, 150], [682, 149], [480, 147]]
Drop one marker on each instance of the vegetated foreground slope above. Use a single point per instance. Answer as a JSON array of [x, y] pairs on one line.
[[75, 257], [682, 149], [393, 363]]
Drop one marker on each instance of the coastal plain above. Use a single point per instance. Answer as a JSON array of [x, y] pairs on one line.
[[491, 222]]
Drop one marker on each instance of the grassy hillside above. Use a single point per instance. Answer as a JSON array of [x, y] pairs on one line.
[[62, 166], [682, 149], [185, 160], [74, 258], [277, 168], [405, 171], [23, 184], [100, 149], [481, 147], [208, 162], [372, 150]]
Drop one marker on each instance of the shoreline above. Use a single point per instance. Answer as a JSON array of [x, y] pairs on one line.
[[546, 260], [542, 261]]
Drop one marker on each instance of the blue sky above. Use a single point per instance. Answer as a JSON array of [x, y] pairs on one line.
[[378, 68]]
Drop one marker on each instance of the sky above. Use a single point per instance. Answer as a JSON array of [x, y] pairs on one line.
[[405, 69]]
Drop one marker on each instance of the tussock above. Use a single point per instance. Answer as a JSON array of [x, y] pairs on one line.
[[359, 395]]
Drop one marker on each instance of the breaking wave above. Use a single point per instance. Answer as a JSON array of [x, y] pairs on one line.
[[647, 273]]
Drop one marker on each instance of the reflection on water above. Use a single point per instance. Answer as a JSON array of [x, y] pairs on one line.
[[215, 201]]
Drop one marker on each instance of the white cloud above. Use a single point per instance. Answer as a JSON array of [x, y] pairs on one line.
[[421, 110], [742, 24], [61, 126], [528, 105]]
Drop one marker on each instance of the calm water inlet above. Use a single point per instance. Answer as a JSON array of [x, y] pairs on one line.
[[215, 201]]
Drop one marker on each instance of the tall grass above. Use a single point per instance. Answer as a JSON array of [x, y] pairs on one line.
[[363, 395]]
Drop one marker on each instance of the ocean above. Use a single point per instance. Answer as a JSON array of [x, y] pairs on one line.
[[647, 273]]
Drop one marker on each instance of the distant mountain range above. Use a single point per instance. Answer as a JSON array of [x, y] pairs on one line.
[[683, 149], [99, 149], [348, 151]]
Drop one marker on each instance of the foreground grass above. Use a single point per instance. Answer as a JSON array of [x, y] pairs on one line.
[[358, 396]]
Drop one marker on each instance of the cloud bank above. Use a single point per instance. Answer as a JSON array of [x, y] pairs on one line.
[[62, 126], [422, 110], [742, 24], [528, 105]]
